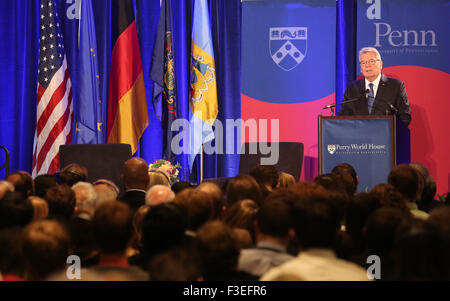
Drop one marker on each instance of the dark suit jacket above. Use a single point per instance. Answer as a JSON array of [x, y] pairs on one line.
[[390, 91], [134, 199]]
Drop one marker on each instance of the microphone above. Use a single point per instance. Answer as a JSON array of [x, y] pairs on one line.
[[392, 107], [346, 101]]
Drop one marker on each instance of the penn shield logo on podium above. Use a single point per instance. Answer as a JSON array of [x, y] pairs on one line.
[[288, 46], [331, 148]]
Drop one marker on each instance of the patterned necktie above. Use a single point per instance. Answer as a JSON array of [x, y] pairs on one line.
[[371, 98]]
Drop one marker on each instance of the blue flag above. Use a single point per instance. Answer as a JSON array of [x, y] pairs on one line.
[[88, 130], [163, 75]]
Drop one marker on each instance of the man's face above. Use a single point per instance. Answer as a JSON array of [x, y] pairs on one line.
[[370, 65]]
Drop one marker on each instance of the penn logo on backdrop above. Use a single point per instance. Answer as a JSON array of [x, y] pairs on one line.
[[331, 148], [288, 46]]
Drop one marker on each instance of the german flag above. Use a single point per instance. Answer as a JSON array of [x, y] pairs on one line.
[[127, 103]]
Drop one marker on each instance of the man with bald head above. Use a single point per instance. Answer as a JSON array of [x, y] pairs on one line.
[[159, 194], [135, 178]]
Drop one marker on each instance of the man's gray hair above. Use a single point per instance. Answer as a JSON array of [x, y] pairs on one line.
[[369, 49], [88, 195]]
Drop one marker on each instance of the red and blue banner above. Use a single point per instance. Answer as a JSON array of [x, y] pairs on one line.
[[288, 71], [413, 40]]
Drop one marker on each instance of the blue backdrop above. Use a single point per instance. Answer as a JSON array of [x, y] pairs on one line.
[[19, 22]]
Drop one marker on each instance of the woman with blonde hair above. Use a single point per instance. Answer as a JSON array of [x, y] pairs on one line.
[[40, 207]]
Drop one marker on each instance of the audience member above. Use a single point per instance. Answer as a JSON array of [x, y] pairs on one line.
[[163, 228], [42, 183], [345, 168], [273, 230], [406, 180], [419, 252], [11, 254], [40, 207], [86, 197], [106, 191], [440, 217], [266, 176], [61, 202], [243, 187], [5, 186], [84, 244], [158, 177], [15, 210], [135, 178], [316, 224], [218, 254], [72, 174], [175, 265], [46, 246], [389, 197], [159, 194], [112, 230], [426, 202], [22, 182], [242, 215], [136, 240], [359, 209], [180, 186], [216, 194], [286, 180]]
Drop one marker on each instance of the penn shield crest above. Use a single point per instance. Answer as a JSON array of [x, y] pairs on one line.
[[288, 46]]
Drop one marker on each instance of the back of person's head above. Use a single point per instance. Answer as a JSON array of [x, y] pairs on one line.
[[61, 201], [159, 194], [180, 186], [15, 210], [138, 220], [72, 174], [242, 187], [43, 183], [274, 216], [242, 215], [11, 252], [359, 209], [406, 180], [158, 177], [216, 194], [106, 191], [339, 193], [286, 180], [389, 197], [217, 250], [266, 175], [380, 230], [175, 265], [46, 247], [197, 205], [86, 196], [440, 217], [40, 207], [420, 252], [316, 221], [345, 168], [83, 240], [22, 182], [163, 228], [113, 227], [135, 174]]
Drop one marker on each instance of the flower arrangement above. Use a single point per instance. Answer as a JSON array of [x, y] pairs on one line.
[[167, 167]]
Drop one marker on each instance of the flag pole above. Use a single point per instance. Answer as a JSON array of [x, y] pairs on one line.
[[201, 163]]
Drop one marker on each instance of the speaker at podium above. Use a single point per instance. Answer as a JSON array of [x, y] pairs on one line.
[[290, 156], [103, 161]]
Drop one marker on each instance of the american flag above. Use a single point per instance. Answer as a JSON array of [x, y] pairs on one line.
[[54, 95]]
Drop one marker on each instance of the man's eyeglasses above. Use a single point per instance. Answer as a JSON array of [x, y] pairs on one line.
[[371, 62]]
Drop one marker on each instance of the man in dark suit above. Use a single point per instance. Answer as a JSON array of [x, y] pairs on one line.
[[375, 94], [135, 178]]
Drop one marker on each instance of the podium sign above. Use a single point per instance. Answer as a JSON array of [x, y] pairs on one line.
[[368, 143]]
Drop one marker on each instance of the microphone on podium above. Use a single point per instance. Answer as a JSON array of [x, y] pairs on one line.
[[365, 92]]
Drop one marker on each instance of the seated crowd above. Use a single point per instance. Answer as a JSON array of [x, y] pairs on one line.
[[261, 226]]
